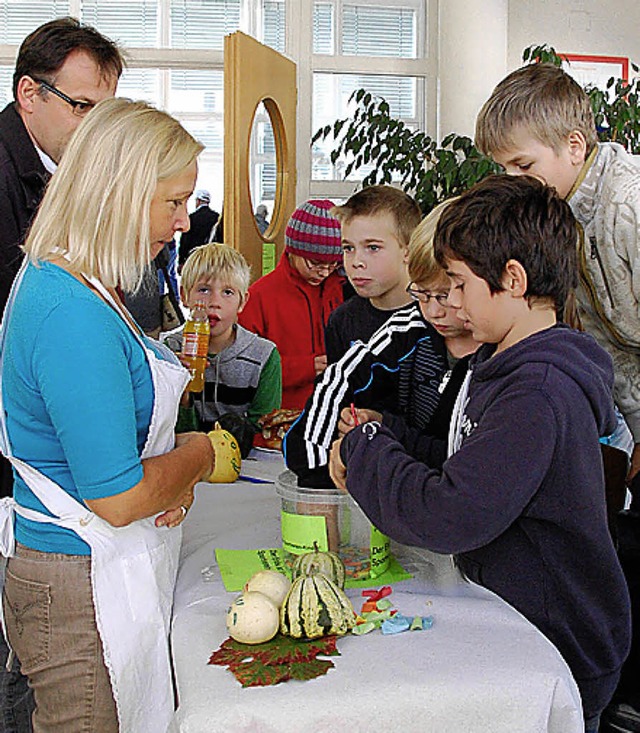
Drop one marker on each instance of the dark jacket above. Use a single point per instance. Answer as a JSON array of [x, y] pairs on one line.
[[398, 370], [23, 179], [521, 503], [201, 221]]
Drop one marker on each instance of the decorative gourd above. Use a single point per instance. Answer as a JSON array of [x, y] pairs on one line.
[[315, 607], [327, 563], [227, 456], [271, 583], [253, 618]]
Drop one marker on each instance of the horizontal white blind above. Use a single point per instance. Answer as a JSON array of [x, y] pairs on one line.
[[129, 22], [331, 94], [18, 19], [323, 28], [369, 30], [274, 24], [6, 85], [203, 23]]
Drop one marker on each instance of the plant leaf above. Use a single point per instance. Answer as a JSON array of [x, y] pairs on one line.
[[282, 658]]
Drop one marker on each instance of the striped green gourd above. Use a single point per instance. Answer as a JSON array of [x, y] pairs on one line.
[[327, 563], [315, 607]]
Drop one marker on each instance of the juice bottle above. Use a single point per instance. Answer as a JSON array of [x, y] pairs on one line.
[[195, 345]]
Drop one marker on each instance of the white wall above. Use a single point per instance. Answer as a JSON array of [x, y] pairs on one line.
[[472, 47], [574, 26]]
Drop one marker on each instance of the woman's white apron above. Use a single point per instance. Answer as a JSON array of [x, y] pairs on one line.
[[133, 568]]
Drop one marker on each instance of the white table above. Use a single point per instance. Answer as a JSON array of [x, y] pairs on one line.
[[482, 667]]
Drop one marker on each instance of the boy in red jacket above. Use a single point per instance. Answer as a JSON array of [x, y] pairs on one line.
[[290, 306]]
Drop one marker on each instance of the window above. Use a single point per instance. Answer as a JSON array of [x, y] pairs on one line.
[[175, 60], [378, 45]]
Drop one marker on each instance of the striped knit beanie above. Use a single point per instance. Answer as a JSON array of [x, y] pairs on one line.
[[312, 232]]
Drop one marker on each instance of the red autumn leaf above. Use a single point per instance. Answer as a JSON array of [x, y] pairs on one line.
[[277, 660], [285, 650]]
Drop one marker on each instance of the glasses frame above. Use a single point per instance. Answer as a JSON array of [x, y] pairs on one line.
[[424, 296], [319, 266], [75, 104]]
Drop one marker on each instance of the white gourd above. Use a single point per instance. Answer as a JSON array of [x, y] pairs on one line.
[[253, 618], [271, 583]]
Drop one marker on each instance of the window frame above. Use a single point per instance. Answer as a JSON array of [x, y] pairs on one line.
[[298, 41]]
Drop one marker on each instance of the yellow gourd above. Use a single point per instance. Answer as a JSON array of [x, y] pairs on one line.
[[227, 456]]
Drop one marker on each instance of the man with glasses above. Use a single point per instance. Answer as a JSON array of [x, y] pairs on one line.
[[62, 71]]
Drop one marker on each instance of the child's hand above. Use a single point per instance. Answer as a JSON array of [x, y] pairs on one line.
[[346, 422], [337, 469], [320, 363]]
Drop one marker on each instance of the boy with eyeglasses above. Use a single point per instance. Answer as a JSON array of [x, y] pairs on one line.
[[407, 374], [291, 305], [520, 500]]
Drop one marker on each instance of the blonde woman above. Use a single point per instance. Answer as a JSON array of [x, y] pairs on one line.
[[101, 482]]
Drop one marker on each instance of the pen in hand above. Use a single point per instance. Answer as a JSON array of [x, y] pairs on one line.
[[354, 415]]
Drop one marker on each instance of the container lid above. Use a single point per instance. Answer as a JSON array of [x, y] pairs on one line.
[[287, 488]]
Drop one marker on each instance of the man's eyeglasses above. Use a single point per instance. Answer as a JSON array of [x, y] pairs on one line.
[[319, 266], [424, 296], [80, 109]]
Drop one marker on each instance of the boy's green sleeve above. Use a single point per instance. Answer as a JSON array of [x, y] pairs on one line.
[[269, 393]]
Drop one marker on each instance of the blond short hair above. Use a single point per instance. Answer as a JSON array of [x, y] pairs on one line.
[[541, 99], [96, 210], [374, 200], [421, 263], [216, 261]]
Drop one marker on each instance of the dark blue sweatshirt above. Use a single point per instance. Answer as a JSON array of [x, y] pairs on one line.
[[522, 502]]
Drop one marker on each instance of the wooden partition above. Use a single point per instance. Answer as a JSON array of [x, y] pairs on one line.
[[255, 73]]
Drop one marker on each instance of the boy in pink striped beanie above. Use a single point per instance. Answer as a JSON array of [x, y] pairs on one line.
[[290, 306]]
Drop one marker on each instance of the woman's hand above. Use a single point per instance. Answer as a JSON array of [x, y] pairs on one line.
[[185, 438], [337, 469], [346, 423], [166, 485], [174, 517]]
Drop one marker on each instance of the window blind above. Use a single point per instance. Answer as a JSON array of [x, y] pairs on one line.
[[274, 24], [203, 23], [323, 28], [378, 31], [18, 19], [129, 22]]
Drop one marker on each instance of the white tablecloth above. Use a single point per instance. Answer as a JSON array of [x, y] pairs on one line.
[[482, 667]]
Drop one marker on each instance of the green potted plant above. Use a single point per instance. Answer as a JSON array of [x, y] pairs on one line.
[[432, 172]]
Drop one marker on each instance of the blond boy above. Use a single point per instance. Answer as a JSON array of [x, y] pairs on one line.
[[377, 223], [243, 378], [538, 121]]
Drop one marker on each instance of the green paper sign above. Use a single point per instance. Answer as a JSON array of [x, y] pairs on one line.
[[268, 257], [380, 552], [237, 566], [300, 531]]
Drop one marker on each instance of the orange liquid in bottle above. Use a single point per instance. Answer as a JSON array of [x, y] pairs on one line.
[[195, 345]]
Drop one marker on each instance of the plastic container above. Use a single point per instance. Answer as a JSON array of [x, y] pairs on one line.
[[335, 522], [195, 345]]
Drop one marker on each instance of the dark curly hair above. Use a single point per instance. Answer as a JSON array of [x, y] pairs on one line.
[[506, 218]]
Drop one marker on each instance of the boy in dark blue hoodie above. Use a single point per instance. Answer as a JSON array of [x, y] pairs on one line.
[[520, 501]]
